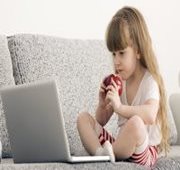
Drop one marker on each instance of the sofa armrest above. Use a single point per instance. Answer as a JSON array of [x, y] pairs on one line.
[[174, 101]]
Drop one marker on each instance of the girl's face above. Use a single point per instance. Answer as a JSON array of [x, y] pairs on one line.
[[125, 62]]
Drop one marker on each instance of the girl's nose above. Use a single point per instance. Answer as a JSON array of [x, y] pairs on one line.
[[117, 60]]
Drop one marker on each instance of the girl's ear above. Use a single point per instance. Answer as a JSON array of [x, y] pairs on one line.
[[137, 53], [138, 56]]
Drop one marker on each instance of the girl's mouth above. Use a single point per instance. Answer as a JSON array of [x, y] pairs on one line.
[[120, 73]]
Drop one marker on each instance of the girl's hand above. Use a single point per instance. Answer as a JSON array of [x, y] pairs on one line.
[[113, 97], [102, 95], [103, 102]]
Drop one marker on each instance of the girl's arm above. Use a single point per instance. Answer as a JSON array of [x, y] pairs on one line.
[[104, 110], [103, 114], [147, 111]]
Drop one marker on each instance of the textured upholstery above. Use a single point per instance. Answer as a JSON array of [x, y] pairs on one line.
[[162, 164], [6, 78], [175, 105]]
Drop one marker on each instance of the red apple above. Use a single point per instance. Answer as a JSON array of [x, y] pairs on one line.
[[117, 80]]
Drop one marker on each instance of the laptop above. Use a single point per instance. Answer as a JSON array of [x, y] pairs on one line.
[[36, 125]]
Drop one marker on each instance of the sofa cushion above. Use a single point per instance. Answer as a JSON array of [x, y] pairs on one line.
[[173, 136], [7, 164], [6, 78], [163, 163], [77, 65], [174, 103]]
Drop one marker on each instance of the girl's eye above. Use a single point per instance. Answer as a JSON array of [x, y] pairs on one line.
[[113, 54], [121, 52]]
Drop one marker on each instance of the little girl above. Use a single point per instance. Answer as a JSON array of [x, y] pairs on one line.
[[141, 108]]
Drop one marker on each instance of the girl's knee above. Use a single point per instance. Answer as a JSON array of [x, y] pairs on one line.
[[84, 117], [136, 126], [136, 121]]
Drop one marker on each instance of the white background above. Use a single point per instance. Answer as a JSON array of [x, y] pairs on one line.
[[88, 19]]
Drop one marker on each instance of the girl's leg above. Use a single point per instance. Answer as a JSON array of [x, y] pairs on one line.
[[132, 135], [89, 137]]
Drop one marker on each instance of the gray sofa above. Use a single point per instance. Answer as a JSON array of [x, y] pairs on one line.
[[78, 66]]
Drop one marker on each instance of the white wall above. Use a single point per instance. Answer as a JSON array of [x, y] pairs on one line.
[[88, 19]]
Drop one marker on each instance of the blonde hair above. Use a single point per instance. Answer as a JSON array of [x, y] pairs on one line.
[[128, 28]]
